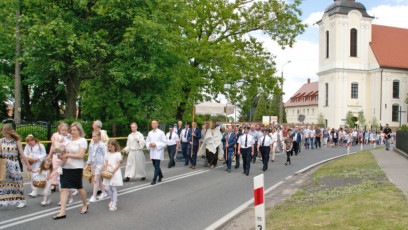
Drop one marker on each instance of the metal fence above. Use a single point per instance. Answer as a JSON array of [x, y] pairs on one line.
[[402, 143]]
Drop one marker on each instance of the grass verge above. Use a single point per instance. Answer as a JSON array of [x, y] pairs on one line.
[[349, 193]]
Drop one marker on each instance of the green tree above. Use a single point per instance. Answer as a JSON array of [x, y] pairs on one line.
[[320, 120], [374, 123], [261, 109], [361, 119], [350, 120]]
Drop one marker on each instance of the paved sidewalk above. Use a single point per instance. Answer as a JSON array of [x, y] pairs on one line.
[[395, 166]]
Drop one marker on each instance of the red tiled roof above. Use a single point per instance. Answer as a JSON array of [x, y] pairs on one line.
[[309, 89], [390, 46]]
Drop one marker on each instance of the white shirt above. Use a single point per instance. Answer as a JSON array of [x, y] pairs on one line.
[[37, 151], [174, 138], [307, 132], [266, 143], [73, 147], [184, 135], [250, 140], [255, 134], [313, 133], [156, 136], [354, 133]]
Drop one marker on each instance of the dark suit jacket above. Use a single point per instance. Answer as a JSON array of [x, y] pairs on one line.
[[231, 141], [197, 137], [299, 137]]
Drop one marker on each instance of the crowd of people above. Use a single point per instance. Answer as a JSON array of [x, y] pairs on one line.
[[63, 167]]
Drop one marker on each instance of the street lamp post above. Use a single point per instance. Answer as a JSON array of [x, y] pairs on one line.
[[281, 97]]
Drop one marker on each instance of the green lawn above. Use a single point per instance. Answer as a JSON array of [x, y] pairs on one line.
[[349, 193]]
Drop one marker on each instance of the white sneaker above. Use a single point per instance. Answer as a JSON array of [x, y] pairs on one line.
[[59, 203], [103, 195], [44, 203], [75, 193], [21, 205], [33, 194], [113, 208], [92, 199], [110, 204], [71, 201]]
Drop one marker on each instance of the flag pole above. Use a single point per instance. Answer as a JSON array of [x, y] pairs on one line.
[[192, 138]]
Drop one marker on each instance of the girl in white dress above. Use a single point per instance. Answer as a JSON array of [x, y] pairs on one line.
[[37, 153], [113, 160], [44, 173]]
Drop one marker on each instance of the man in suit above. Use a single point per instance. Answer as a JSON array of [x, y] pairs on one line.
[[194, 136], [229, 140], [297, 138], [246, 147], [184, 141]]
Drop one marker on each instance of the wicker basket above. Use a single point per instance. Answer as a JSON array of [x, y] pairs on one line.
[[106, 174], [39, 183], [30, 160], [87, 174]]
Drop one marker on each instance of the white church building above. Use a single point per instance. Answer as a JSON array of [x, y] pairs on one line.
[[362, 67]]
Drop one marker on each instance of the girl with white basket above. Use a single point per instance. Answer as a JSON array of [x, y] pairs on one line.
[[42, 180], [111, 173], [35, 154]]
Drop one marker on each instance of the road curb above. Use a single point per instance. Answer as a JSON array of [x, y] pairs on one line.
[[399, 151]]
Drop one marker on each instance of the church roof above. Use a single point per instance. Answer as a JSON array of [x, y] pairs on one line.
[[345, 6], [390, 46], [308, 89]]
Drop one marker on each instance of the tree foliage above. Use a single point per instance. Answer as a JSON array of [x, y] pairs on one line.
[[361, 118], [137, 59], [320, 120], [261, 109], [350, 120]]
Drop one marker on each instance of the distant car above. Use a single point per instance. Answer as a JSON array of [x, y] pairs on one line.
[[8, 121], [41, 123]]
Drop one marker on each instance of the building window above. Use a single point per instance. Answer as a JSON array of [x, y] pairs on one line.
[[395, 89], [310, 98], [354, 90], [317, 97], [303, 111], [297, 99], [304, 98], [291, 99], [327, 44], [327, 94], [353, 43], [298, 111], [395, 112]]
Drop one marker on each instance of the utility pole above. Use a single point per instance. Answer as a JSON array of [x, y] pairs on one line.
[[17, 77], [281, 97]]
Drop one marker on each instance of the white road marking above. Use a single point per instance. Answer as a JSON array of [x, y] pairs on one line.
[[41, 214]]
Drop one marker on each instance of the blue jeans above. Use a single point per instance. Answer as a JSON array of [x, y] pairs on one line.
[[192, 160], [172, 151], [230, 154], [157, 170]]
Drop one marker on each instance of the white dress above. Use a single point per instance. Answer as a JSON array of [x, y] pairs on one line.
[[113, 159], [37, 151], [43, 176]]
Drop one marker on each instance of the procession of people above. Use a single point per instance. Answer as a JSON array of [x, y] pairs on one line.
[[63, 168]]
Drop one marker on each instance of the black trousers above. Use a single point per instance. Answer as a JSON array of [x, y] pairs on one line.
[[265, 150], [255, 152], [237, 156], [172, 151], [184, 146], [246, 157], [212, 158], [318, 142], [288, 154], [295, 148]]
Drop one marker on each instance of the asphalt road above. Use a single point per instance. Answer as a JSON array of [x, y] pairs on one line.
[[186, 199]]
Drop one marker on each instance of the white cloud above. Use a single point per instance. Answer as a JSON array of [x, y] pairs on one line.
[[395, 16], [313, 18]]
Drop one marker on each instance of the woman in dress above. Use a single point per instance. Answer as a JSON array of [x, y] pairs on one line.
[[72, 169], [12, 190]]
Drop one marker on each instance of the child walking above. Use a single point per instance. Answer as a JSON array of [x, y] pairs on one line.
[[97, 152], [288, 147], [113, 160], [44, 171]]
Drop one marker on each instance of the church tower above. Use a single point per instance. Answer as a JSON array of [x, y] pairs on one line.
[[344, 61]]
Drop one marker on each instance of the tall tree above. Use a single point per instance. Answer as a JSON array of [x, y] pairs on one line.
[[350, 120], [261, 109], [361, 118]]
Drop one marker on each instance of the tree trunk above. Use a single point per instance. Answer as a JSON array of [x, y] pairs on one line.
[[17, 78], [26, 113], [72, 87]]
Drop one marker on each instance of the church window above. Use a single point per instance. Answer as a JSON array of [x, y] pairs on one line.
[[353, 42], [395, 112], [395, 89], [327, 44], [354, 90]]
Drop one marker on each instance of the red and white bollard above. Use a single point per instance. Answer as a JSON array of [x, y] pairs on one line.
[[259, 204], [361, 145], [348, 147]]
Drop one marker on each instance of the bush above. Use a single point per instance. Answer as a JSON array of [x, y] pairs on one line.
[[404, 128], [37, 131]]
